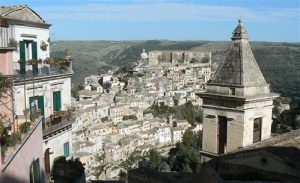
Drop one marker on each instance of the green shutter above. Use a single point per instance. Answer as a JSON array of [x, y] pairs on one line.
[[34, 50], [66, 149], [41, 104], [31, 173], [31, 108], [22, 57], [34, 56], [56, 101], [36, 171]]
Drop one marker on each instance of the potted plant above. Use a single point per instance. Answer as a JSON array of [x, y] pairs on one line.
[[11, 141], [18, 138], [68, 54], [24, 127], [32, 61], [37, 113], [26, 112], [44, 46]]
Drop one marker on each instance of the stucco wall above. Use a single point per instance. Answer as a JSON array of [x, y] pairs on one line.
[[6, 62], [41, 34], [239, 125], [19, 167], [56, 144], [45, 89]]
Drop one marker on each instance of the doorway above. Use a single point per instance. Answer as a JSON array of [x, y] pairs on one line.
[[222, 134], [47, 161]]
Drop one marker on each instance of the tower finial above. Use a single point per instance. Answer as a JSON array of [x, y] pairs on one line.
[[240, 20], [239, 32]]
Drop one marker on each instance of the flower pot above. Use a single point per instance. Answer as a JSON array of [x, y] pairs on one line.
[[10, 149]]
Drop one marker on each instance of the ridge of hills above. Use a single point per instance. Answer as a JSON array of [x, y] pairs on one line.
[[279, 62]]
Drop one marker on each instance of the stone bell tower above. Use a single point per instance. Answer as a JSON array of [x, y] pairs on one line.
[[237, 106]]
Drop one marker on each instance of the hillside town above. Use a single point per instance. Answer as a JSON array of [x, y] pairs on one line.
[[112, 116], [47, 134]]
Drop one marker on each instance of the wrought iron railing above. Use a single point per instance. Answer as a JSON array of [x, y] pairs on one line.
[[57, 121]]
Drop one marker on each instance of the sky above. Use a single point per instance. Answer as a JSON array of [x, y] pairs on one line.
[[265, 20]]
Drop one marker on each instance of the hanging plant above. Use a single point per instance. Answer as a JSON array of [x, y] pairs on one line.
[[32, 61], [44, 46], [49, 60], [68, 54]]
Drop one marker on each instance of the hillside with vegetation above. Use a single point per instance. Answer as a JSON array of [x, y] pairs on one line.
[[279, 62]]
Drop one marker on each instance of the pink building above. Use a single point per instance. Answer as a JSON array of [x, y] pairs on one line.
[[24, 162], [6, 69]]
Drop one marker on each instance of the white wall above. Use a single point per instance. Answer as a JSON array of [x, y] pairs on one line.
[[56, 144], [45, 89], [42, 34]]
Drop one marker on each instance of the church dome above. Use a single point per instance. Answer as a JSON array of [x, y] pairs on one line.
[[144, 55]]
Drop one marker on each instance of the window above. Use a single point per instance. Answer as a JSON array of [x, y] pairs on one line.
[[35, 171], [232, 91], [222, 134], [27, 51], [257, 129], [36, 102], [56, 101], [66, 149]]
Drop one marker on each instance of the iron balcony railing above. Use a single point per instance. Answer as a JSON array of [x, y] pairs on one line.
[[57, 121]]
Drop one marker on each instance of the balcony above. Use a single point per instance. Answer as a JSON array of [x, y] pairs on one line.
[[59, 121], [41, 69]]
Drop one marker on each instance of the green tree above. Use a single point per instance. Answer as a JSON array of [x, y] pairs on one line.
[[132, 161], [287, 120], [154, 159], [100, 168], [67, 170], [5, 85], [185, 157]]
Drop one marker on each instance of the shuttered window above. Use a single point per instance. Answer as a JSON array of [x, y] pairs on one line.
[[22, 57], [36, 102], [35, 171], [56, 101], [41, 104], [66, 149], [34, 56]]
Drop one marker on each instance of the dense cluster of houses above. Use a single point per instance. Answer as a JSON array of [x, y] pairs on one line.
[[111, 117]]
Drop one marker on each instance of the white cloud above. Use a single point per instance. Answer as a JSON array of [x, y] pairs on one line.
[[162, 11]]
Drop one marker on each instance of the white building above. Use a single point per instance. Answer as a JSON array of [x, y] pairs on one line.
[[163, 135], [42, 86]]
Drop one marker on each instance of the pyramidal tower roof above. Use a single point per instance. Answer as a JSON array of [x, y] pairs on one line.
[[239, 67]]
